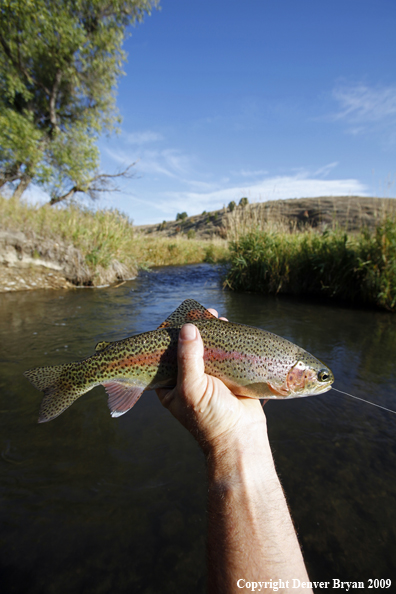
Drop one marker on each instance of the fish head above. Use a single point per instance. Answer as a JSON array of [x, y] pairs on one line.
[[308, 376]]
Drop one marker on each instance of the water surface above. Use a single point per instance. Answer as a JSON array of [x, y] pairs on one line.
[[91, 504]]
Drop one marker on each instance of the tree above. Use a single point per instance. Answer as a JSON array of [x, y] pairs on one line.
[[181, 216], [243, 202], [59, 65], [231, 205]]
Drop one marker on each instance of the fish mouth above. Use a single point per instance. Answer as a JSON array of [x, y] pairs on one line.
[[320, 389]]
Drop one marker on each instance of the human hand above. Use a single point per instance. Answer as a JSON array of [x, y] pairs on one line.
[[250, 532], [203, 404]]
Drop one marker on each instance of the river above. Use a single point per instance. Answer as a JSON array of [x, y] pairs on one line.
[[90, 504]]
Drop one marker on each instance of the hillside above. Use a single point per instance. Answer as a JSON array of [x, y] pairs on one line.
[[348, 212]]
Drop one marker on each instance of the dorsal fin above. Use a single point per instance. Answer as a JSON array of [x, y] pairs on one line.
[[188, 311], [101, 345]]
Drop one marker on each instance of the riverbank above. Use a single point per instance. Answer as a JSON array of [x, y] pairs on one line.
[[301, 246], [26, 264], [355, 268], [75, 247]]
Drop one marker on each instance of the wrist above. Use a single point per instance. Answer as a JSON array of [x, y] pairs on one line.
[[241, 457]]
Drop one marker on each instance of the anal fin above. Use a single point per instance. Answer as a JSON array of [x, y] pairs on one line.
[[122, 396]]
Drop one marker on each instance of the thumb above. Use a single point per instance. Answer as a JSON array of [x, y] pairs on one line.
[[191, 381]]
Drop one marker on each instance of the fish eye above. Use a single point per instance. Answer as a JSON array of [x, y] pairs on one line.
[[323, 375]]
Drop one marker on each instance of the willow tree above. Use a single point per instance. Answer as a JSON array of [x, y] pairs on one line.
[[60, 61]]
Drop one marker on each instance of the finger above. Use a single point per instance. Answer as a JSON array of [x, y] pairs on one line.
[[191, 368], [216, 313], [162, 392]]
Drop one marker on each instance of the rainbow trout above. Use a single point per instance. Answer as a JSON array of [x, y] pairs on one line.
[[250, 361]]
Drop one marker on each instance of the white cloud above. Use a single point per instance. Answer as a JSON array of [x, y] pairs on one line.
[[367, 110], [176, 161], [361, 103], [171, 182], [119, 156], [169, 162], [324, 171], [143, 137], [255, 173], [272, 188], [156, 162], [201, 185]]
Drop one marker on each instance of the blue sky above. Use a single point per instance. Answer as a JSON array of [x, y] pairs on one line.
[[265, 99]]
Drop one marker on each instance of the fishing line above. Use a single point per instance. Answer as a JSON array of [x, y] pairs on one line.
[[367, 401]]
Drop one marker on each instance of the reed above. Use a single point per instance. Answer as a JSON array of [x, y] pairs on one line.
[[163, 251], [359, 268], [110, 247], [260, 217]]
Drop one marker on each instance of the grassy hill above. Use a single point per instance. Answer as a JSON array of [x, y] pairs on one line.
[[350, 213]]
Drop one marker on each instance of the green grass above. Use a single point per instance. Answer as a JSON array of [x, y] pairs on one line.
[[105, 237], [359, 268]]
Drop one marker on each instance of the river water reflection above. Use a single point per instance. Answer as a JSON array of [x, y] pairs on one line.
[[91, 504]]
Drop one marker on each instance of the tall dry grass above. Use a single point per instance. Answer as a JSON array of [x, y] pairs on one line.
[[351, 214], [109, 245], [255, 217]]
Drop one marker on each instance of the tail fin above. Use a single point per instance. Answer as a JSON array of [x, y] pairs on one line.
[[61, 386]]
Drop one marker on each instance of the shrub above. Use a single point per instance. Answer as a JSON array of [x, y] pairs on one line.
[[232, 205], [360, 268], [209, 254]]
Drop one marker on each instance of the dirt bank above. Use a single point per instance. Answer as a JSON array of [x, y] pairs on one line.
[[32, 263]]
